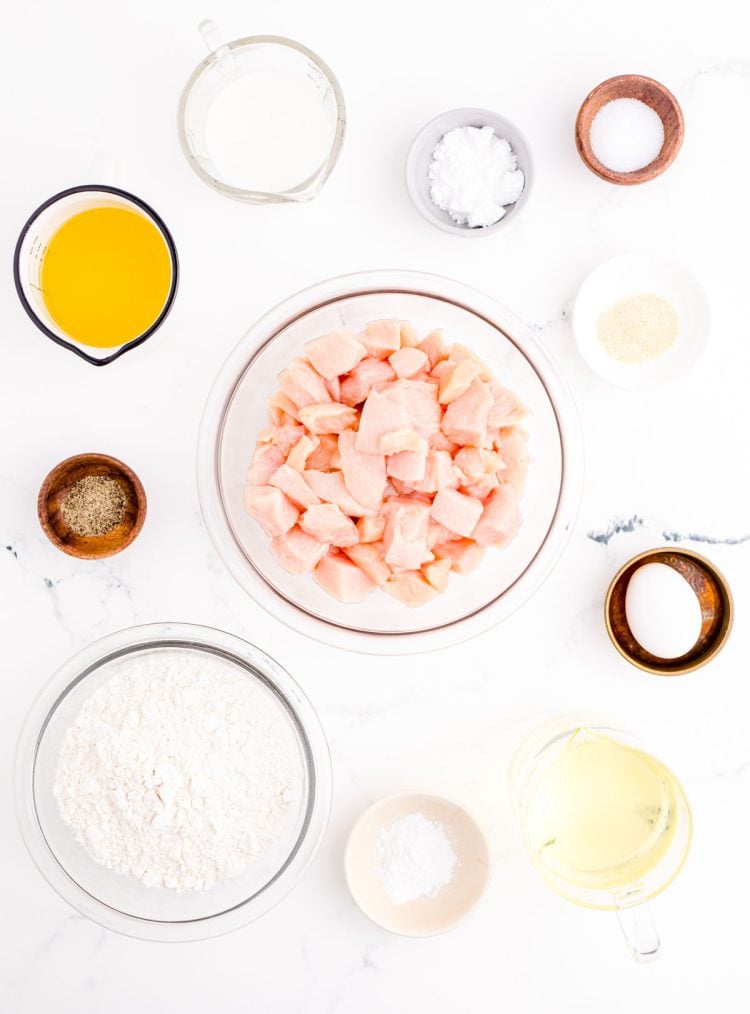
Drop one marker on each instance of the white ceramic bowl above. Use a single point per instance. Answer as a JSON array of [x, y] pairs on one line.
[[237, 410], [627, 275], [420, 155]]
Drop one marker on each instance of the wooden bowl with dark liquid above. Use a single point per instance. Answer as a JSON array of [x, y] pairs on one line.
[[59, 483], [714, 597]]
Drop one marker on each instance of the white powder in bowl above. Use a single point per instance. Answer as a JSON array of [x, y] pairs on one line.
[[179, 771], [626, 135], [474, 175], [415, 858]]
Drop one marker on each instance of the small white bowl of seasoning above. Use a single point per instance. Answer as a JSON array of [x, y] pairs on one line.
[[416, 864], [641, 320], [468, 171]]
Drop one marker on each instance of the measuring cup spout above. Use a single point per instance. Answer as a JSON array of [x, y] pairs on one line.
[[640, 932]]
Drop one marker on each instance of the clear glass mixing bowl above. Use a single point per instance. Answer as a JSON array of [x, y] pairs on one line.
[[122, 903], [236, 412]]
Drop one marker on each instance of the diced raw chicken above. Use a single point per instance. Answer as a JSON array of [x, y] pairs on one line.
[[370, 373], [370, 557], [381, 338], [266, 459], [405, 439], [500, 519], [407, 362], [330, 486], [341, 578], [409, 335], [418, 399], [439, 473], [461, 352], [481, 490], [515, 454], [405, 536], [455, 511], [364, 474], [465, 419], [433, 347], [297, 457], [410, 587], [465, 555], [507, 408], [285, 437], [473, 464], [437, 534], [302, 384], [441, 443], [328, 418], [335, 353], [281, 408], [297, 551], [456, 380], [323, 456], [291, 483], [409, 466], [333, 386], [268, 505], [379, 415], [327, 523], [436, 572], [371, 528]]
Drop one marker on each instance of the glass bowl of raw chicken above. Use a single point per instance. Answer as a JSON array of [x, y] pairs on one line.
[[390, 462]]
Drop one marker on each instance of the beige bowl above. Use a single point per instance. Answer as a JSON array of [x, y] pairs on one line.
[[426, 916]]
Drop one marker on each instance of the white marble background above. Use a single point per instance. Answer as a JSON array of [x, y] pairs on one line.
[[82, 76]]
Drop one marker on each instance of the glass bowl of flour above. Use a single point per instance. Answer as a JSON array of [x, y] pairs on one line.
[[172, 782]]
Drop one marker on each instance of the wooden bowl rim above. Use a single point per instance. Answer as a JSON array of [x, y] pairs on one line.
[[712, 649], [672, 142], [116, 468]]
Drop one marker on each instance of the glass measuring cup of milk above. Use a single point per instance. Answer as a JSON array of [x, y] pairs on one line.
[[606, 824], [261, 119]]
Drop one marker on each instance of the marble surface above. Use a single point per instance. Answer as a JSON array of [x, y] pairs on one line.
[[668, 466]]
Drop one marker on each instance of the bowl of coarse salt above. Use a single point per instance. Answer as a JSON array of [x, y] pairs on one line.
[[468, 171], [641, 320], [172, 782]]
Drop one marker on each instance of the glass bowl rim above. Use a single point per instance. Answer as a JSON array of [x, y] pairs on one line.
[[251, 658]]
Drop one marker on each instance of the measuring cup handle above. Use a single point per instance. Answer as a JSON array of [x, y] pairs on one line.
[[640, 932], [212, 36]]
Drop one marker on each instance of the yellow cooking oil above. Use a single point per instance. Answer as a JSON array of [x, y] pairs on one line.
[[106, 276], [601, 816]]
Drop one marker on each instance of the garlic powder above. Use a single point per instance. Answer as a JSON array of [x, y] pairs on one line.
[[639, 328]]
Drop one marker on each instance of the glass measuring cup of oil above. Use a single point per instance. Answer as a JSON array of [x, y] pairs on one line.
[[606, 825], [261, 119]]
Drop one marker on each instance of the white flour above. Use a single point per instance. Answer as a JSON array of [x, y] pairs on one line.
[[179, 771], [415, 858]]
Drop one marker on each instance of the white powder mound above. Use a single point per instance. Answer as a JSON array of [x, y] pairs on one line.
[[415, 858], [179, 771], [474, 175]]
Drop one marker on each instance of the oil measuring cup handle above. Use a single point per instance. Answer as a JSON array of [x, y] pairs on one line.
[[640, 932], [213, 38]]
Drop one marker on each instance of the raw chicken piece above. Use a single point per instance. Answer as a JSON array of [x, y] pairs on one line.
[[333, 386], [327, 523], [266, 459], [323, 457], [379, 415], [418, 399], [291, 483], [410, 587], [500, 519], [405, 536], [507, 408], [441, 443], [370, 558], [281, 409], [459, 513], [405, 439], [409, 335], [436, 572], [370, 373], [456, 380], [382, 337], [328, 418], [302, 384], [301, 451], [433, 347], [330, 486], [409, 466], [268, 505], [407, 362], [364, 474], [514, 452], [437, 534], [285, 437], [474, 464], [439, 473], [371, 528], [342, 579], [465, 419], [464, 555], [481, 490], [297, 551], [461, 352], [335, 353]]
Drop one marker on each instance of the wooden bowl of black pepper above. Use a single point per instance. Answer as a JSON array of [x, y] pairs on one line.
[[91, 506]]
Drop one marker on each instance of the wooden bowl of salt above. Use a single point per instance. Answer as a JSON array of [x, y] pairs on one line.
[[91, 506]]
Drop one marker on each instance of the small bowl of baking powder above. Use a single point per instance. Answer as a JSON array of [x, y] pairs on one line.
[[469, 171]]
